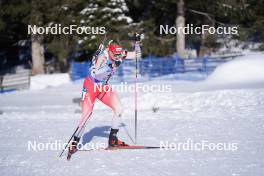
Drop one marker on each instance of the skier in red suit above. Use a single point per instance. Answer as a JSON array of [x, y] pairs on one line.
[[96, 86]]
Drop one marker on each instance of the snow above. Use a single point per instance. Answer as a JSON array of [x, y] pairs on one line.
[[123, 17], [191, 111], [45, 81], [65, 7], [244, 70], [89, 10], [112, 10]]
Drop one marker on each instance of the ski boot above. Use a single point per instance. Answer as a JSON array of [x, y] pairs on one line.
[[113, 140], [73, 147]]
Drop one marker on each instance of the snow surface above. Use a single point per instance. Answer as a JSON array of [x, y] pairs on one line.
[[44, 81], [246, 69], [197, 111]]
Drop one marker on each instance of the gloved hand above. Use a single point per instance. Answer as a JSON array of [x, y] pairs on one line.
[[93, 70]]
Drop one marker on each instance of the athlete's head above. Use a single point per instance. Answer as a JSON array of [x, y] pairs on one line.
[[116, 52]]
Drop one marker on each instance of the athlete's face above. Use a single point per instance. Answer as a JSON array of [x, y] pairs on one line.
[[116, 57]]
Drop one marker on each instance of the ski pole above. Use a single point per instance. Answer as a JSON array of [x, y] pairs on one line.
[[137, 38], [124, 126], [74, 134], [69, 141]]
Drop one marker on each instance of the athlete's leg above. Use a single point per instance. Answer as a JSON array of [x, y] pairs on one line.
[[88, 98], [111, 99]]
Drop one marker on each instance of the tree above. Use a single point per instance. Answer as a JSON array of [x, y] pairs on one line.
[[13, 18], [246, 14], [37, 45], [110, 14], [180, 23]]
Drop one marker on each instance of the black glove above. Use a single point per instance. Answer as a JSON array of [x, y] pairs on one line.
[[117, 63]]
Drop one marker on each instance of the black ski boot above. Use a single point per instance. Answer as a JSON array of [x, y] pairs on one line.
[[73, 147], [113, 140]]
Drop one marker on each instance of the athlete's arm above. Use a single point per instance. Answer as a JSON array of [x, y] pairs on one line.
[[98, 64]]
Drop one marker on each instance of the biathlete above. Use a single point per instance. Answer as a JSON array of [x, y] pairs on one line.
[[96, 86]]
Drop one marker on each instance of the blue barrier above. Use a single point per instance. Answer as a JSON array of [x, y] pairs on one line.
[[151, 67], [79, 70]]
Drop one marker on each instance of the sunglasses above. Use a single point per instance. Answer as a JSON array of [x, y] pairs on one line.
[[118, 55]]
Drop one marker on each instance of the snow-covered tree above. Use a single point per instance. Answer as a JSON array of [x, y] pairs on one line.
[[110, 14]]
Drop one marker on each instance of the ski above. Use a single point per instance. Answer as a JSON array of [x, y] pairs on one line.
[[131, 147]]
